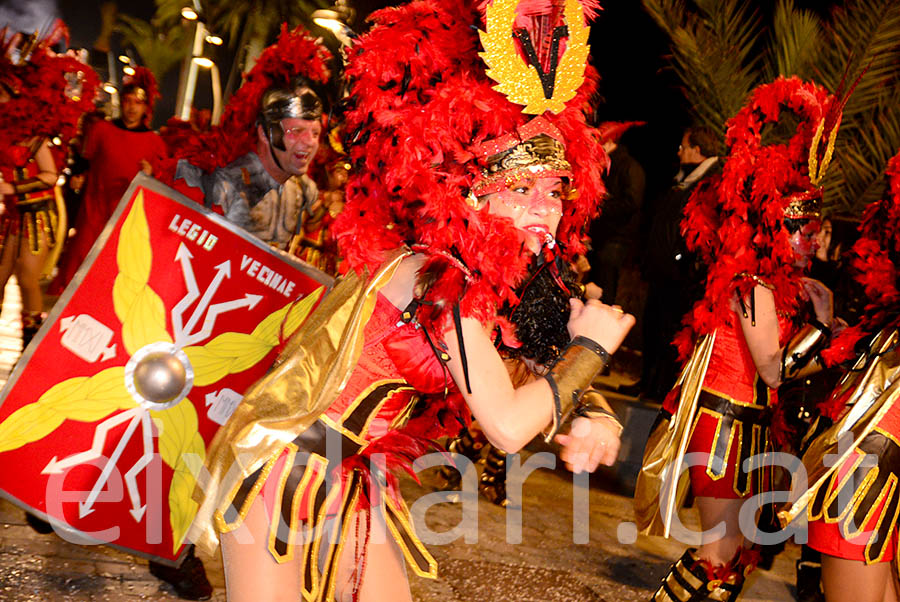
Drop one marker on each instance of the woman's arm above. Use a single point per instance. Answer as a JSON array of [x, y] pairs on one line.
[[511, 417], [45, 178], [46, 165], [760, 328]]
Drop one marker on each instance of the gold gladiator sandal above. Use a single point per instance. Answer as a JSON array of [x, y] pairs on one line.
[[692, 579]]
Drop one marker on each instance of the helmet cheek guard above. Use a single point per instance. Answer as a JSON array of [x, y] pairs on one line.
[[275, 135]]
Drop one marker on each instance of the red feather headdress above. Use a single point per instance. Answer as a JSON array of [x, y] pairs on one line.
[[296, 53], [612, 131], [875, 264], [421, 110], [735, 220], [143, 78], [50, 91]]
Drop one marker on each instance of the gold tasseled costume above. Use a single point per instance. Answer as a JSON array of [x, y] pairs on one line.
[[281, 415]]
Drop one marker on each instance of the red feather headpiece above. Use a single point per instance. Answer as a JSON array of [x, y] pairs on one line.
[[422, 112], [296, 53], [611, 131], [50, 91], [875, 264], [735, 220], [143, 79]]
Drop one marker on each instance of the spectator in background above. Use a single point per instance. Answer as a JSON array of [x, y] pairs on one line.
[[674, 279], [614, 232], [116, 151]]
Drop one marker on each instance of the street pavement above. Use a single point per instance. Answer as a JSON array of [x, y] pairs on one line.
[[588, 554], [546, 566]]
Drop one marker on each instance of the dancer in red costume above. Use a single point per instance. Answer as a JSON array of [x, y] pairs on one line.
[[755, 226], [852, 504], [116, 151], [455, 193], [42, 97]]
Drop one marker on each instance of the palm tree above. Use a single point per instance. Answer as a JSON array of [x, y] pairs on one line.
[[249, 26], [160, 44], [719, 52]]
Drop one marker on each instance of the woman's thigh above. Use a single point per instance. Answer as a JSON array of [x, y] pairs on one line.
[[251, 573], [855, 581], [378, 574]]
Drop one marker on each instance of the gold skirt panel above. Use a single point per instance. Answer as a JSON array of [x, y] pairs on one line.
[[36, 217]]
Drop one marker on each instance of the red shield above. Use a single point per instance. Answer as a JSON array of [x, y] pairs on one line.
[[105, 421]]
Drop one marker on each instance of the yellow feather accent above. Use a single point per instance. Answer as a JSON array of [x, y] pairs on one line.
[[135, 257], [86, 399], [269, 329], [180, 447], [814, 154], [829, 152]]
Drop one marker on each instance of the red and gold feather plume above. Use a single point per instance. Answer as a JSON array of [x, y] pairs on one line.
[[735, 221], [49, 91], [421, 104]]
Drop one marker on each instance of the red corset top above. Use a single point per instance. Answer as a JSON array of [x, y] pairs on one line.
[[731, 371], [395, 365]]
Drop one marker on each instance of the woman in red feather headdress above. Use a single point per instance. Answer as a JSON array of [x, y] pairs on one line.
[[754, 226], [42, 97], [455, 192], [852, 453]]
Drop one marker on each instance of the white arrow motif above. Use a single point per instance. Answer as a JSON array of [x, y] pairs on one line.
[[66, 323], [249, 301], [96, 450], [87, 506], [193, 291], [223, 271], [137, 510], [108, 353]]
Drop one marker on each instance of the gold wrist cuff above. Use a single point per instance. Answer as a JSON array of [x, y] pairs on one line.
[[571, 375], [29, 185], [801, 350]]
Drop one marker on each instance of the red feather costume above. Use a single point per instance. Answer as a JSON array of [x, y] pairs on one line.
[[861, 524], [720, 410], [48, 94], [295, 53], [423, 124], [734, 222]]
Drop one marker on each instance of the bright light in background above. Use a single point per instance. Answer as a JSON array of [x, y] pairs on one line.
[[214, 40], [124, 59], [109, 88], [57, 141], [189, 13], [336, 21], [330, 23], [128, 70], [202, 61]]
